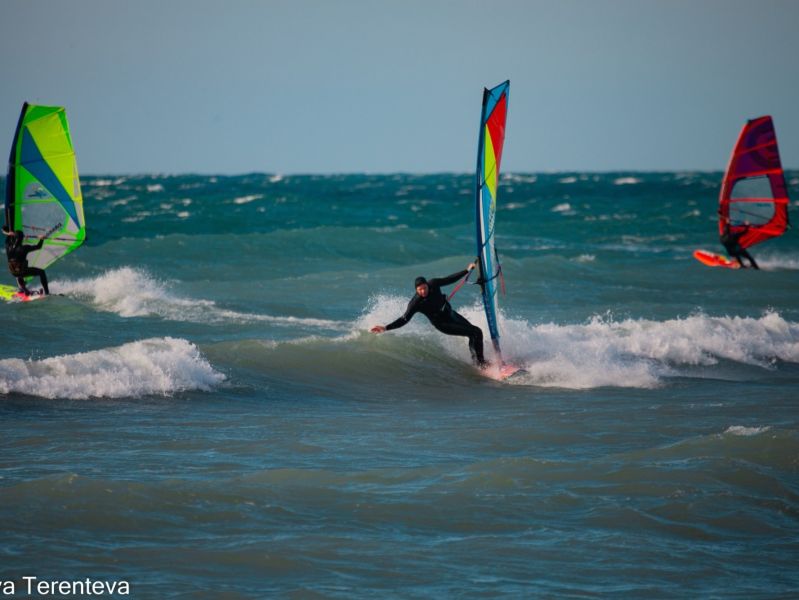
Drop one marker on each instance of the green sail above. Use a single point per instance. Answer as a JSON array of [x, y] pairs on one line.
[[43, 195]]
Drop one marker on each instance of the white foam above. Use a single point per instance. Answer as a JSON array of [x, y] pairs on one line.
[[247, 199], [132, 219], [636, 353], [519, 178], [383, 309], [131, 292], [567, 180], [773, 262], [155, 187], [746, 431], [564, 208], [106, 182], [153, 366], [640, 352], [626, 181]]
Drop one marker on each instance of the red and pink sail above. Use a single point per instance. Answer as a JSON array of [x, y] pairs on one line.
[[753, 194]]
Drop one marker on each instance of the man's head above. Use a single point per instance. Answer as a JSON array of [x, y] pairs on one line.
[[421, 287]]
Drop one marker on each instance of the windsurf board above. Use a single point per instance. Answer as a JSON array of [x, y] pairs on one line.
[[715, 260], [11, 293]]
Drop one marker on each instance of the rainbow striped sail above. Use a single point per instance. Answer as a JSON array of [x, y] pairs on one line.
[[489, 155], [43, 194]]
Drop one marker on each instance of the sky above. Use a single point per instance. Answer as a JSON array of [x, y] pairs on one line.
[[378, 86]]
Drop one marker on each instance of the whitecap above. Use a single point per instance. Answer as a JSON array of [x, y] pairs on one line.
[[772, 262], [130, 292], [638, 353], [247, 199], [745, 431], [153, 366]]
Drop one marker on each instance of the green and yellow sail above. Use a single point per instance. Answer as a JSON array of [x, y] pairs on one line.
[[43, 196]]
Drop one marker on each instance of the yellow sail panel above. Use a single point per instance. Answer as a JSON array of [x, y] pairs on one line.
[[490, 166], [54, 143]]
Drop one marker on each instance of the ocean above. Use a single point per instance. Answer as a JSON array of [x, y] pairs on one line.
[[202, 413]]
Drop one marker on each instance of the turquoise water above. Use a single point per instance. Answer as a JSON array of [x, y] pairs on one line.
[[202, 413]]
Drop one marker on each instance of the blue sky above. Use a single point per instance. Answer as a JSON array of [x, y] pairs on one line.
[[375, 86]]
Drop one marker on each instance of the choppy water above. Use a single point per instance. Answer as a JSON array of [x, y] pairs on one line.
[[203, 414]]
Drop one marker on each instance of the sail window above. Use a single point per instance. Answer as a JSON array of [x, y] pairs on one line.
[[751, 187], [754, 213]]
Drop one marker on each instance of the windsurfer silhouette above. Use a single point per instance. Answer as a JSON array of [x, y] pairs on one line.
[[17, 255], [432, 303], [731, 243]]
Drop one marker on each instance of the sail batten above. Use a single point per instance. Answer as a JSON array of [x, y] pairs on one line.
[[43, 195], [489, 155]]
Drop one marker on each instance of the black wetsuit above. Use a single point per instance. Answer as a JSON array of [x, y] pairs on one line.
[[17, 254], [437, 309], [730, 242]]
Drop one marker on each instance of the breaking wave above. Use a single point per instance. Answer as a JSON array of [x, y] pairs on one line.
[[638, 353], [130, 292], [157, 366]]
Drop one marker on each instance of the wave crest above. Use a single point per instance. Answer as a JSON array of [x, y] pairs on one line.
[[130, 292], [154, 366], [603, 352]]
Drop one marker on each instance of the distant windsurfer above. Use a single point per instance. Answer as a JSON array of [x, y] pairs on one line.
[[17, 255], [731, 243], [432, 303]]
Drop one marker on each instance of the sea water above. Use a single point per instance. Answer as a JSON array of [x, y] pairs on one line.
[[201, 411]]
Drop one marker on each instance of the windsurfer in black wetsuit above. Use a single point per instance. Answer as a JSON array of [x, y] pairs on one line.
[[432, 303], [17, 255], [730, 241]]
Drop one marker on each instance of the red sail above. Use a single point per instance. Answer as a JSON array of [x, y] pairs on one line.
[[753, 194]]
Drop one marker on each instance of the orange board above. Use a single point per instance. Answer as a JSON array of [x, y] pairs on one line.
[[715, 260]]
